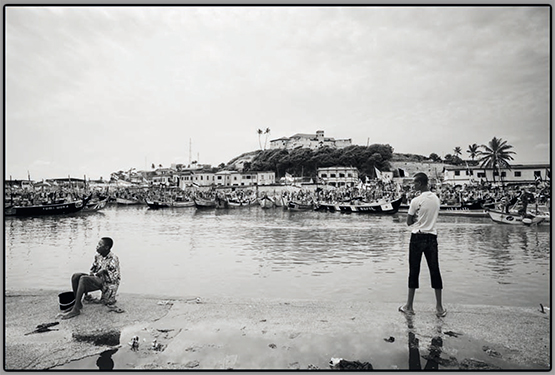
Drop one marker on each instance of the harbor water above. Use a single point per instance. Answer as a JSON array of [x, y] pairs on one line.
[[274, 253]]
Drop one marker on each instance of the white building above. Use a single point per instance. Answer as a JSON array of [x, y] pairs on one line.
[[183, 179], [227, 178], [266, 178], [518, 174], [312, 141], [163, 176], [338, 176], [203, 178], [234, 178]]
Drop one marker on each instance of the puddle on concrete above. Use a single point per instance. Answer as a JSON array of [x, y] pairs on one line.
[[241, 349]]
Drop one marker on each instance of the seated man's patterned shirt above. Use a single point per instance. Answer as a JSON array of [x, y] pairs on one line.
[[109, 263]]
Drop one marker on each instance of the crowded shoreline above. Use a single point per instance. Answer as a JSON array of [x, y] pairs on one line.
[[476, 195]]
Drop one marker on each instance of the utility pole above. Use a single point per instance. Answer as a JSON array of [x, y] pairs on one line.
[[190, 152]]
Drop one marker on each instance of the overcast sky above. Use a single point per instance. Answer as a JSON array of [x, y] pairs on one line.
[[92, 90]]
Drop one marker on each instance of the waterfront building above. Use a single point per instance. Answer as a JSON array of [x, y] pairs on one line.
[[338, 176], [183, 179], [312, 141], [266, 178], [227, 178], [163, 176], [235, 178], [518, 174], [204, 178]]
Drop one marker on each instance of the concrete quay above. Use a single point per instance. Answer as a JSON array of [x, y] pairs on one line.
[[206, 334]]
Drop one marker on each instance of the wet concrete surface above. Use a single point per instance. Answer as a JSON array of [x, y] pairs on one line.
[[274, 335]]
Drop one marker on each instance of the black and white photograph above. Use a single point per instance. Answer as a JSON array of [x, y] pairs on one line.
[[277, 187]]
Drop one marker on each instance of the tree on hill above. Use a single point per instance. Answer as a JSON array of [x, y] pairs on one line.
[[452, 159], [267, 132], [305, 161], [259, 131], [434, 157]]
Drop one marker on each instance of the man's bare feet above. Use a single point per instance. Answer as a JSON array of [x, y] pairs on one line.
[[406, 310], [71, 314]]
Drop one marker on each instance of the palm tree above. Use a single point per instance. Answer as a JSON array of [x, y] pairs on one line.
[[267, 132], [259, 131], [496, 155], [457, 151], [473, 150]]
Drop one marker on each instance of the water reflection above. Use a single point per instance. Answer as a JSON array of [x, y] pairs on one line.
[[280, 254], [105, 361], [434, 351]]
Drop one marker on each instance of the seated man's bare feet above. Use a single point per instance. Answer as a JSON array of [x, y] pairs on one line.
[[71, 314]]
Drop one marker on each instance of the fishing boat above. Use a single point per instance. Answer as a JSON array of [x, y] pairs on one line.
[[326, 206], [204, 203], [384, 207], [294, 205], [183, 203], [267, 202], [155, 205], [228, 202], [233, 203], [96, 204], [126, 201], [514, 219], [47, 209]]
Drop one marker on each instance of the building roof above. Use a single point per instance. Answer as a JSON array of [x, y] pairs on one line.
[[513, 166], [301, 135]]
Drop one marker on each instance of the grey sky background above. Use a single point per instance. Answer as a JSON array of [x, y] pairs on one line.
[[92, 90]]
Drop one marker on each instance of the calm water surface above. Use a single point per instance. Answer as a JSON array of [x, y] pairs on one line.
[[252, 252]]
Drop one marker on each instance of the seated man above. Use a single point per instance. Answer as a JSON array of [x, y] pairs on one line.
[[104, 276]]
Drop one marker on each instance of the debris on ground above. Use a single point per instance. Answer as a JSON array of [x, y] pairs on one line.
[[491, 352], [342, 364], [452, 334], [134, 343], [44, 327], [475, 364]]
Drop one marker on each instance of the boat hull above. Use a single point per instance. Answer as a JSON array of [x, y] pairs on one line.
[[96, 205], [204, 203], [372, 208], [183, 204], [327, 207], [154, 205], [266, 202], [47, 209], [126, 202], [299, 206]]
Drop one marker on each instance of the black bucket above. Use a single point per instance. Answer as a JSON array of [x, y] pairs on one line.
[[67, 300]]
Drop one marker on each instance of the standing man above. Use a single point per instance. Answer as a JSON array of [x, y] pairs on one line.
[[104, 276], [422, 217]]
